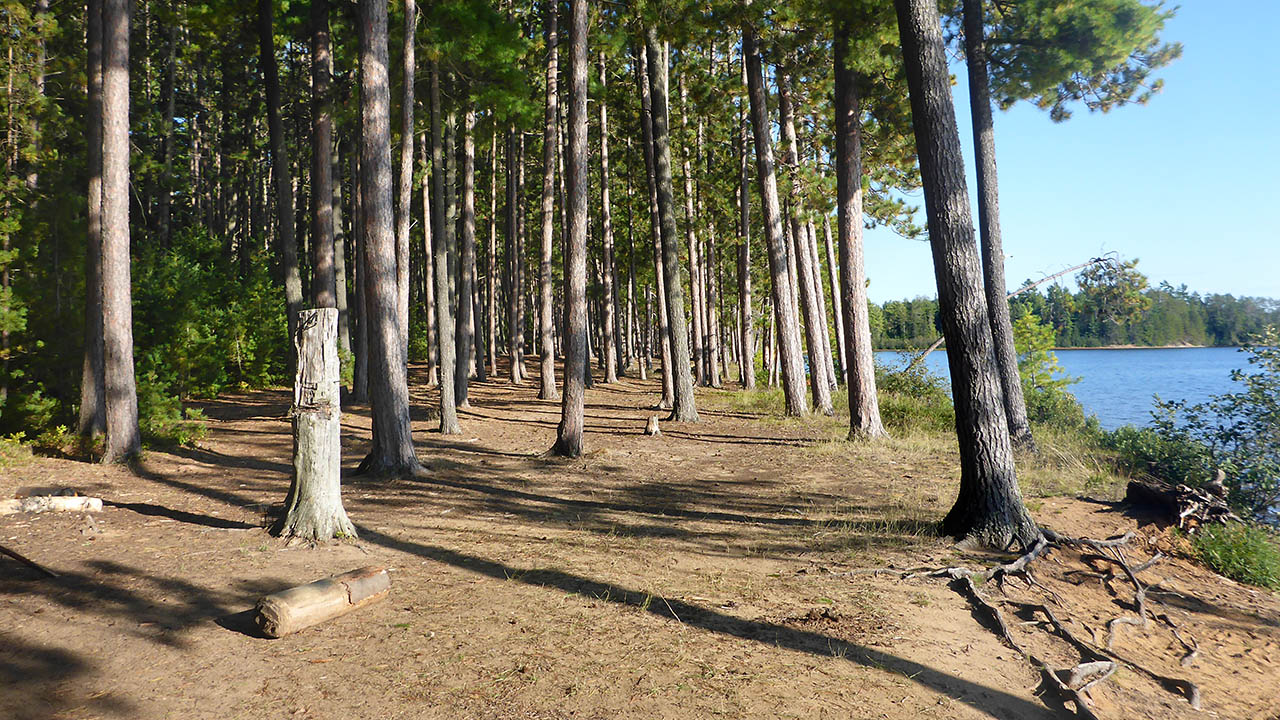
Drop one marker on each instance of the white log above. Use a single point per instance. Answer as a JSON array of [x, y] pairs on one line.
[[41, 503], [289, 611]]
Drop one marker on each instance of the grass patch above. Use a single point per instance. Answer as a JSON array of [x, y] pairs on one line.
[[1241, 552]]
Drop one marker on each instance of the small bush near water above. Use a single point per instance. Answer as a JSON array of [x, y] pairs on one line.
[[1241, 552]]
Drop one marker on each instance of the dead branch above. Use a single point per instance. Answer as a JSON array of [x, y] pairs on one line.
[[27, 561]]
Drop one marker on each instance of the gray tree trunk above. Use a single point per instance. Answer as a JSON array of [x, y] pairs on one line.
[[339, 253], [569, 434], [747, 348], [787, 332], [404, 206], [123, 440], [392, 451], [984, 147], [833, 275], [464, 332], [609, 348], [683, 409], [828, 362], [655, 226], [93, 395], [546, 321], [989, 509], [491, 258], [428, 267], [440, 261], [696, 286], [323, 282], [313, 508]]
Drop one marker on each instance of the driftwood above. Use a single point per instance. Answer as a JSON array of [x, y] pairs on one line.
[[41, 503], [297, 608], [1186, 507]]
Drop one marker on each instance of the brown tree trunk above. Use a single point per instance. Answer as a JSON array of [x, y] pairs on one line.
[[984, 147], [392, 451], [828, 362], [491, 258], [440, 252], [515, 336], [339, 251], [989, 509], [546, 321], [464, 333], [696, 301], [93, 396], [683, 409], [168, 96], [655, 226], [609, 348], [323, 283], [360, 343], [569, 434], [404, 206], [746, 317], [428, 267], [123, 440], [788, 330], [280, 170], [837, 307]]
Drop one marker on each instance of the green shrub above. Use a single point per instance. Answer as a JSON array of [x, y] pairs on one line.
[[1241, 552], [161, 417], [1044, 384], [1162, 452], [912, 398]]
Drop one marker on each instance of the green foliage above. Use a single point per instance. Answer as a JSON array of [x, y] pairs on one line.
[[163, 419], [1241, 552], [1043, 381], [1163, 451], [912, 398]]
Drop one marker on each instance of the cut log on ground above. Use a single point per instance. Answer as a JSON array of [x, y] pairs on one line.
[[42, 503], [297, 608], [1186, 507]]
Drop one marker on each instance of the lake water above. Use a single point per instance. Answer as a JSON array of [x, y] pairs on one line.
[[1118, 385]]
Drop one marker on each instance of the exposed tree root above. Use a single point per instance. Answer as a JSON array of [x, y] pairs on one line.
[[1097, 663]]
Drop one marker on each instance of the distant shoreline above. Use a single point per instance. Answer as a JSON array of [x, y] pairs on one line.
[[1179, 346]]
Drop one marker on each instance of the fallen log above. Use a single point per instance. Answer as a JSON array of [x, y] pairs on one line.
[[42, 503], [1186, 507], [297, 608]]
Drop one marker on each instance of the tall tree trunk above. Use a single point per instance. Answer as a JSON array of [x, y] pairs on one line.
[[168, 97], [695, 263], [428, 267], [989, 509], [806, 273], [339, 251], [392, 451], [515, 331], [93, 396], [546, 322], [684, 409], [747, 348], [323, 282], [833, 275], [864, 404], [609, 348], [788, 330], [440, 261], [360, 378], [984, 148], [655, 227], [280, 171], [491, 258], [405, 203], [828, 363], [123, 439], [569, 434], [466, 262]]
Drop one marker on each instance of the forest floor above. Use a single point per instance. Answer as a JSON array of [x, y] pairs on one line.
[[699, 574]]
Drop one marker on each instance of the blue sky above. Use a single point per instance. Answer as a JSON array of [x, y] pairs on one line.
[[1189, 183]]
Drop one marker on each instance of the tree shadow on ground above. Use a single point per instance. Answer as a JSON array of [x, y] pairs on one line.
[[983, 698], [36, 681]]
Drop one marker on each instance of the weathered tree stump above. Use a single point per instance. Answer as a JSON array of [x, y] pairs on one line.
[[651, 428], [313, 508], [42, 503], [1181, 505], [297, 608]]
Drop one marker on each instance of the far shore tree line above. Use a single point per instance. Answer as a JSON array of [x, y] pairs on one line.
[[1091, 316], [660, 187]]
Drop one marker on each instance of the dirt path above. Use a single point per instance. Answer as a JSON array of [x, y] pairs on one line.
[[687, 576]]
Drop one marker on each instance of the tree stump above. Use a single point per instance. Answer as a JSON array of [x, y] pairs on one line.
[[297, 608], [651, 428], [313, 508]]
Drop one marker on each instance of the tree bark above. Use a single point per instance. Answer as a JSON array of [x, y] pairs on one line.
[[123, 440], [464, 333], [323, 282], [280, 170], [392, 451], [655, 227], [696, 287], [989, 509], [984, 148], [828, 362], [546, 322], [490, 259], [569, 434], [515, 335], [360, 377], [787, 331], [747, 348], [609, 348], [683, 409], [428, 267], [339, 252], [313, 508], [440, 261], [837, 307], [806, 275], [405, 201], [93, 396]]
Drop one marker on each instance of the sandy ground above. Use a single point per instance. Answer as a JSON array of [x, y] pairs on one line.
[[711, 572]]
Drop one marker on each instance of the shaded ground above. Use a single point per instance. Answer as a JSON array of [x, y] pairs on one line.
[[696, 575]]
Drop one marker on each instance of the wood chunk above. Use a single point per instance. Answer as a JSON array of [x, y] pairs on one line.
[[1186, 507], [41, 503], [297, 608], [651, 428]]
